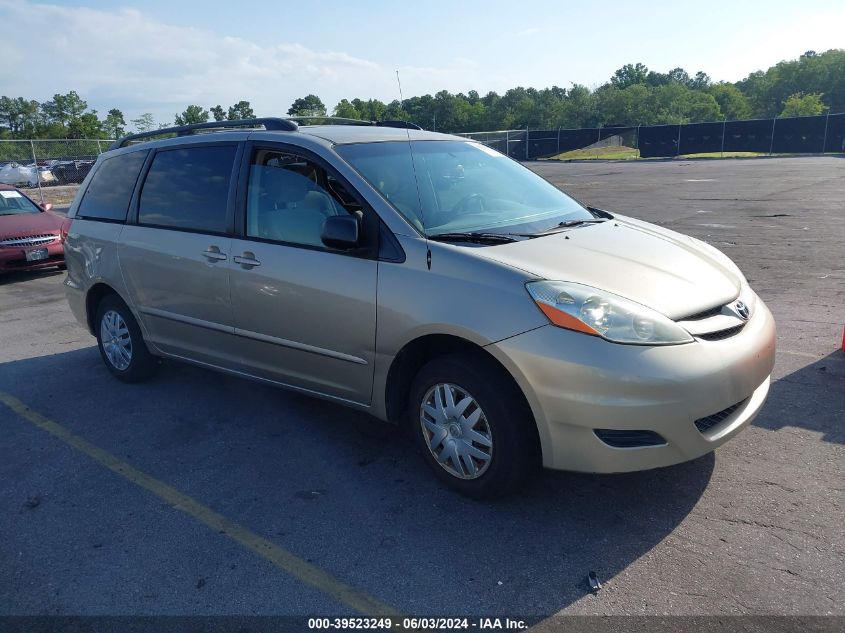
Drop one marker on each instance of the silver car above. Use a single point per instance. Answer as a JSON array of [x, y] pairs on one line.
[[427, 280]]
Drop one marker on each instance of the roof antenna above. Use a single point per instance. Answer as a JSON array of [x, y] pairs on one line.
[[416, 180]]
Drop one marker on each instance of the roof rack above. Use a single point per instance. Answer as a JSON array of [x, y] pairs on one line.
[[347, 121], [336, 119], [406, 125], [286, 125]]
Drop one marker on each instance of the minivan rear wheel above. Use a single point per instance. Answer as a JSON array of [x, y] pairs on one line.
[[472, 426], [120, 342]]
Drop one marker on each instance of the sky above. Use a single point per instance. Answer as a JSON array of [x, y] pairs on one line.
[[159, 56]]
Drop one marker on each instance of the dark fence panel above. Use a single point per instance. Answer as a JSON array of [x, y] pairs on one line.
[[627, 134], [748, 136], [794, 135], [516, 145], [701, 138], [799, 135], [835, 133], [658, 140], [542, 143], [578, 139]]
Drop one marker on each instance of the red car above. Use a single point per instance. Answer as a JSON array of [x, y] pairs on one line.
[[30, 235]]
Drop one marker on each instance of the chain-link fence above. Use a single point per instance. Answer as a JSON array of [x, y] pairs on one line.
[[52, 168], [794, 135]]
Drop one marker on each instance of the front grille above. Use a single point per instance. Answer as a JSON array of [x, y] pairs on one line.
[[722, 334], [706, 314], [629, 439], [705, 424], [29, 240]]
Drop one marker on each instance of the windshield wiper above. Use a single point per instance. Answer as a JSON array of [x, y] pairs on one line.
[[478, 238], [566, 224]]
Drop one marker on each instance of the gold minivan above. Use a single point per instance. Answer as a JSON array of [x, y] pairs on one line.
[[425, 279]]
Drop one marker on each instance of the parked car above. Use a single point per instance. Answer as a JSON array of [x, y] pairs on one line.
[[30, 235], [427, 280], [71, 171], [25, 175]]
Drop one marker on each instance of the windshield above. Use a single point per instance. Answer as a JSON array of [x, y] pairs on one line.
[[14, 203], [463, 187]]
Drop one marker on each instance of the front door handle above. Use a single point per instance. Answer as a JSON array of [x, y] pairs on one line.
[[213, 254], [247, 260]]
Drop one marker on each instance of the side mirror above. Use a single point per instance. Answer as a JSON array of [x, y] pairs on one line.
[[48, 206], [340, 232]]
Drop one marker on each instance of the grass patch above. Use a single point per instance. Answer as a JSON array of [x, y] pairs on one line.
[[621, 152], [726, 155], [612, 152]]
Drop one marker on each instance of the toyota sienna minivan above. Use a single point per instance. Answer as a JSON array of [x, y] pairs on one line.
[[425, 279]]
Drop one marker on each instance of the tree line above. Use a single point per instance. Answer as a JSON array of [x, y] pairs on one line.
[[635, 95]]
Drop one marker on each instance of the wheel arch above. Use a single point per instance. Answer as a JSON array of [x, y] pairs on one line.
[[96, 293], [416, 353]]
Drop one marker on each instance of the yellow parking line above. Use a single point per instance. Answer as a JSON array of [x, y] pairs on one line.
[[280, 557]]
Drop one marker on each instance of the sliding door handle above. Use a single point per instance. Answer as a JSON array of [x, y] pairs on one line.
[[213, 254], [247, 260]]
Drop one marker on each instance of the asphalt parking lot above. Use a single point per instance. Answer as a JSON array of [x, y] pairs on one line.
[[198, 493]]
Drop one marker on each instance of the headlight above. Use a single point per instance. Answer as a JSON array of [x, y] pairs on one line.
[[592, 311]]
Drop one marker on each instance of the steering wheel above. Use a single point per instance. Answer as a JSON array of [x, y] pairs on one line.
[[472, 203]]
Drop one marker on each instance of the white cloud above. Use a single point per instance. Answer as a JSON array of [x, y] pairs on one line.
[[122, 58]]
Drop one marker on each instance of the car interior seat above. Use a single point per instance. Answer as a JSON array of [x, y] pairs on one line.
[[288, 207]]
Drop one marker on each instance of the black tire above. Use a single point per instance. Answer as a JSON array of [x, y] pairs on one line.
[[141, 364], [515, 443]]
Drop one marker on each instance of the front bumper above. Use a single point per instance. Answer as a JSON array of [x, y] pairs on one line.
[[577, 383], [12, 258]]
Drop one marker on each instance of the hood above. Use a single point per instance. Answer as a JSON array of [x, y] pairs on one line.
[[669, 272], [29, 224]]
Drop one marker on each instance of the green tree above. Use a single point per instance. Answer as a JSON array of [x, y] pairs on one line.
[[218, 112], [144, 123], [241, 110], [629, 106], [86, 125], [395, 112], [309, 105], [799, 104], [580, 108], [114, 124], [701, 81], [192, 114], [20, 117], [733, 104], [371, 110], [812, 73], [629, 75], [700, 107], [679, 75], [346, 110], [63, 109]]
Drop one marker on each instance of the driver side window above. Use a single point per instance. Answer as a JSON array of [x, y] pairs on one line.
[[288, 198]]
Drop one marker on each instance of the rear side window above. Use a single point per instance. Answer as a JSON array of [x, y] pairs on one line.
[[110, 189], [188, 188]]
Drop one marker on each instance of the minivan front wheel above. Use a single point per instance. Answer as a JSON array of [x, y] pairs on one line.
[[472, 426], [120, 342]]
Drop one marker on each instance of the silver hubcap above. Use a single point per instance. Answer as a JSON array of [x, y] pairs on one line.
[[456, 431], [117, 343]]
